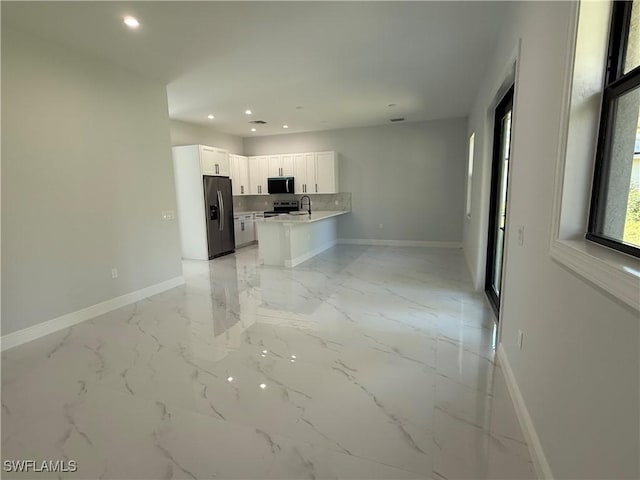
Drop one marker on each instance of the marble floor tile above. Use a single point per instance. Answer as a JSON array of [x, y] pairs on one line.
[[363, 362]]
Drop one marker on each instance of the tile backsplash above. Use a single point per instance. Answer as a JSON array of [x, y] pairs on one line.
[[261, 203]]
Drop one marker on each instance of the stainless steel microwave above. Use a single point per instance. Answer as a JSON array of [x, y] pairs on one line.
[[280, 185]]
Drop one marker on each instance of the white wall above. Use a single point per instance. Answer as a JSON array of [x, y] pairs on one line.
[[408, 177], [185, 133], [86, 173], [578, 370]]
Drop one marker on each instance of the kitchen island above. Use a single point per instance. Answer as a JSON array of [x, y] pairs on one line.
[[289, 240]]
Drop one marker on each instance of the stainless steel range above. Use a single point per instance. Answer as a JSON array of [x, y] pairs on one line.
[[282, 208]]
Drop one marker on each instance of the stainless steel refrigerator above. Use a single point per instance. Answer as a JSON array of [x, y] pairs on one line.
[[218, 204]]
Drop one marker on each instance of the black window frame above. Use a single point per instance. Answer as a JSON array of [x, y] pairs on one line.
[[616, 84]]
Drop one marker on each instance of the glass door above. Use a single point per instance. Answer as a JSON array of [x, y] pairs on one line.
[[498, 204]]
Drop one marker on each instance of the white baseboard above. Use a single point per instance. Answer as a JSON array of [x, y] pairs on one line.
[[540, 463], [398, 243], [303, 258], [45, 328]]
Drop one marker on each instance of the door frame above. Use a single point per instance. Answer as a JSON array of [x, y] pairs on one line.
[[506, 103]]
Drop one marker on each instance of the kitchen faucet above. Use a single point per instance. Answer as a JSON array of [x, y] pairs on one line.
[[302, 205]]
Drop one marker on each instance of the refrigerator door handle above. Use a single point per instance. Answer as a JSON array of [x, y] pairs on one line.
[[221, 206]]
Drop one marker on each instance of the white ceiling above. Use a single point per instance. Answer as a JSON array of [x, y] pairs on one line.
[[343, 62]]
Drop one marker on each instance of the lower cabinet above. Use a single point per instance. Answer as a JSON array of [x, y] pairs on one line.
[[244, 227]]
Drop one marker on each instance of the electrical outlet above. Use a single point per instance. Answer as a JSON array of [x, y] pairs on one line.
[[168, 215], [114, 273], [520, 335], [521, 235], [336, 202], [380, 226]]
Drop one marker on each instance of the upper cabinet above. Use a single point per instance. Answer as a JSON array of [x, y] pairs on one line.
[[239, 170], [305, 172], [214, 161], [258, 174], [316, 172], [281, 165], [326, 172]]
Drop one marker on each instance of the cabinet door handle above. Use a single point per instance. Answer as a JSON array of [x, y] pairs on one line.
[[241, 188], [316, 188]]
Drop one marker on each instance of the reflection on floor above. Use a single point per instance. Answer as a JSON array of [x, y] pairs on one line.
[[364, 362]]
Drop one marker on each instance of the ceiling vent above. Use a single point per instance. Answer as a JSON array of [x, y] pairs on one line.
[[258, 122], [397, 119]]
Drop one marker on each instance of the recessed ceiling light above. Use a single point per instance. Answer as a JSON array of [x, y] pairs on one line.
[[248, 112], [253, 129], [285, 126], [210, 117], [263, 386], [131, 22], [229, 379]]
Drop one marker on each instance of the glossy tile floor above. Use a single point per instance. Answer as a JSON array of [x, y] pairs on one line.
[[364, 362]]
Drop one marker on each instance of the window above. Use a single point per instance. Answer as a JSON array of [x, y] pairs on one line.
[[614, 219], [609, 269], [470, 173]]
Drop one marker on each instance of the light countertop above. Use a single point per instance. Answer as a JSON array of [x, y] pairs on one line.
[[306, 218], [249, 212]]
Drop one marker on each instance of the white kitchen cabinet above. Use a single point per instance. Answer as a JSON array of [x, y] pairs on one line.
[[305, 172], [247, 225], [258, 174], [244, 226], [326, 172], [281, 165], [316, 172], [214, 161], [233, 169], [237, 233], [239, 172]]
